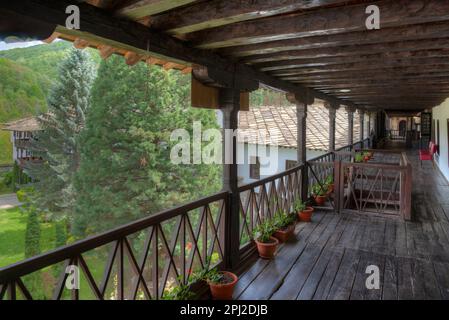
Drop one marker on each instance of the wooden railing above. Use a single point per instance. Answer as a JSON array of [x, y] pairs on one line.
[[262, 199], [141, 260], [396, 134], [147, 258], [380, 186]]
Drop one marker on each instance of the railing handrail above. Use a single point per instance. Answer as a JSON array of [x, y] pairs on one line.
[[60, 254], [28, 266]]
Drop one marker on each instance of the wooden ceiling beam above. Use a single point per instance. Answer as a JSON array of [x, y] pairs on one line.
[[332, 88], [355, 77], [143, 8], [98, 26], [330, 21], [419, 56], [384, 35], [215, 13], [394, 72], [353, 50], [389, 65]]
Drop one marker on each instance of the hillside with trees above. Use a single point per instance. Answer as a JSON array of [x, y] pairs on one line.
[[21, 95], [26, 76]]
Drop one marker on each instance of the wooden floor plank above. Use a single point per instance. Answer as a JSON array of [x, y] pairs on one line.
[[298, 274], [344, 278], [329, 258], [405, 286], [442, 278], [269, 280], [390, 279], [327, 280]]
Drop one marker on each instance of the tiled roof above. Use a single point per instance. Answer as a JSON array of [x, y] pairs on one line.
[[27, 124], [279, 123]]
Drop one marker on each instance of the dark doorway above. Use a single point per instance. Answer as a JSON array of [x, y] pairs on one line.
[[402, 128]]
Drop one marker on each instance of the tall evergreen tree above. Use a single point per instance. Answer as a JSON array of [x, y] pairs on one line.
[[126, 171], [58, 142]]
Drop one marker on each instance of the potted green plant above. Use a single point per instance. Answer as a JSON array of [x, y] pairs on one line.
[[180, 292], [319, 193], [303, 211], [266, 243], [221, 283], [367, 156], [358, 157], [284, 224], [329, 183]]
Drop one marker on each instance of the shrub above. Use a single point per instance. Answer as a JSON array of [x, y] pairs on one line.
[[32, 234], [24, 195]]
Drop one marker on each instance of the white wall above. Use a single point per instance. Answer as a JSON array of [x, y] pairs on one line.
[[442, 113], [283, 155]]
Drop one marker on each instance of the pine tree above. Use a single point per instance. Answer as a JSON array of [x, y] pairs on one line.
[[58, 142], [125, 171], [32, 234]]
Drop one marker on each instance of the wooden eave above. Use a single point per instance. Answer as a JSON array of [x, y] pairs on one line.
[[318, 49]]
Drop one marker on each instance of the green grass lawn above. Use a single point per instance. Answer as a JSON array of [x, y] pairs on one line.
[[12, 236]]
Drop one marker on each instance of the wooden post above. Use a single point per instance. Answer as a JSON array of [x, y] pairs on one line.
[[332, 116], [338, 185], [350, 112], [370, 144], [229, 100], [301, 124], [407, 193], [362, 125]]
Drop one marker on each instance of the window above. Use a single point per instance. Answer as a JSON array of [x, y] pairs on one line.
[[254, 168], [289, 164]]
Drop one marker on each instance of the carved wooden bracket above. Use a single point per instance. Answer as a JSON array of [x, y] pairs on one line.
[[303, 97], [223, 79]]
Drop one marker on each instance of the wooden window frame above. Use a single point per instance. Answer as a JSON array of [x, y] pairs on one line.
[[289, 164], [254, 168]]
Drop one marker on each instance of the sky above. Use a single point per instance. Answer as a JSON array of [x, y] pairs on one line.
[[7, 46]]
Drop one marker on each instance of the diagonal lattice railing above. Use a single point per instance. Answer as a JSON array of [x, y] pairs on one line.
[[141, 260]]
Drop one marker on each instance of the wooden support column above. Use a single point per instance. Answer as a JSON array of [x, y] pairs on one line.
[[332, 117], [362, 124], [369, 131], [350, 112], [301, 140], [229, 101]]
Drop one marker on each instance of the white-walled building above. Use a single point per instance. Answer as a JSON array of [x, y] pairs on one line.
[[279, 124], [440, 135], [21, 133]]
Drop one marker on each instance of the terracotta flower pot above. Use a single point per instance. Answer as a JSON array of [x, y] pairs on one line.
[[285, 234], [306, 215], [267, 250], [224, 291], [320, 200]]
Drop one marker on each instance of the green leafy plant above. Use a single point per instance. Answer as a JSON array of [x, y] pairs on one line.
[[210, 275], [358, 158], [264, 231], [283, 220], [180, 292], [319, 190], [329, 180], [299, 206]]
